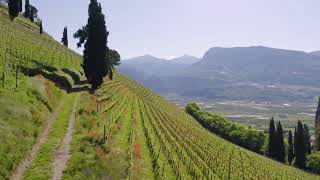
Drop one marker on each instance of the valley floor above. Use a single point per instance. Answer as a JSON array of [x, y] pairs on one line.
[[255, 114]]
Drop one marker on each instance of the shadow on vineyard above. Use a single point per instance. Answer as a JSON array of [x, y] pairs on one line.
[[68, 116], [71, 84]]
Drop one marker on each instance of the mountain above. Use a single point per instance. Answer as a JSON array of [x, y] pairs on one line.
[[315, 53], [186, 60], [121, 131], [267, 74], [150, 65], [259, 64]]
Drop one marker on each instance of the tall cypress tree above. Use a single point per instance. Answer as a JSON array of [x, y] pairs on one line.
[[94, 36], [14, 8], [300, 147], [295, 142], [31, 16], [64, 39], [317, 128], [272, 139], [307, 139], [27, 9], [290, 148], [20, 6], [41, 27], [280, 149]]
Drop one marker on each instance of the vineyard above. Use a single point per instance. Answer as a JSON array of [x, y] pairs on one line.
[[24, 49], [149, 137], [123, 131], [27, 99]]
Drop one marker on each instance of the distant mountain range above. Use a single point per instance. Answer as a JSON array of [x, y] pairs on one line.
[[150, 65], [240, 73]]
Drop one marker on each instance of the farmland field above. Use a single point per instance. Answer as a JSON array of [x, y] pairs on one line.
[[255, 114]]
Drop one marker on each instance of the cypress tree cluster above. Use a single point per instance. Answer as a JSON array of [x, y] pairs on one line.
[[276, 147], [300, 148], [31, 16], [299, 145], [15, 7], [64, 39], [27, 9], [280, 147], [307, 139], [272, 140], [290, 148], [30, 11]]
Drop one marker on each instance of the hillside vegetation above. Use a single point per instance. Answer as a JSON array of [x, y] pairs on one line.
[[149, 137], [249, 138], [27, 98], [123, 131]]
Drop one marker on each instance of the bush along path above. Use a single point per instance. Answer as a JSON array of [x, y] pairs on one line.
[[47, 161], [36, 148]]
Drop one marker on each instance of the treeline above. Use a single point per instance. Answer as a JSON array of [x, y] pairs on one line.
[[15, 8], [244, 136], [298, 146]]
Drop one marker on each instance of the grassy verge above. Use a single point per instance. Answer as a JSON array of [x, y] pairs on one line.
[[91, 158], [41, 168], [23, 114]]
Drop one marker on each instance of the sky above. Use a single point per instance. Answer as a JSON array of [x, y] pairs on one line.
[[172, 28]]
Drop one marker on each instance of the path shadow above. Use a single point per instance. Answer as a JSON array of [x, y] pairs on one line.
[[60, 81], [43, 66], [75, 77], [85, 88]]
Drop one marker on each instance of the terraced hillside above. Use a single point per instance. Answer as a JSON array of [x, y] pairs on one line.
[[123, 131], [147, 137], [23, 48]]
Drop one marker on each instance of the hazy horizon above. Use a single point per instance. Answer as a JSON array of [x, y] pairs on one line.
[[172, 28]]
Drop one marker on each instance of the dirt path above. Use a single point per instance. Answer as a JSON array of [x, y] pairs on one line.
[[41, 139], [62, 155]]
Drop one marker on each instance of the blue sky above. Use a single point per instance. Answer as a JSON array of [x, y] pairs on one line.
[[171, 28]]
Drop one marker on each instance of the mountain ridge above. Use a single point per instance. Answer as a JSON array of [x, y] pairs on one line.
[[223, 68]]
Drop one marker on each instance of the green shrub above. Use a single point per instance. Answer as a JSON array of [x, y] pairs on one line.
[[313, 162], [241, 135]]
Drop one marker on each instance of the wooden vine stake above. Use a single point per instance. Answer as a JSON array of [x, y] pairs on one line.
[[17, 71], [104, 133]]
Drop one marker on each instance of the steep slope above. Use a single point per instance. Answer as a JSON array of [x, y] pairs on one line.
[[124, 131], [259, 64], [149, 137], [34, 69]]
